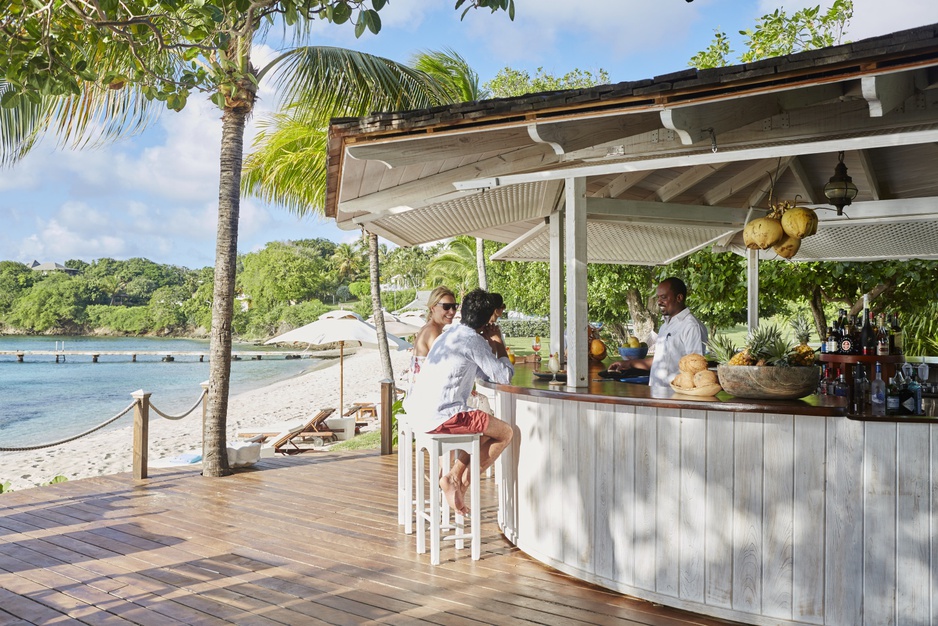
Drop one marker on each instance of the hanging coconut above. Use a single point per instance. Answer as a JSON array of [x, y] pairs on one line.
[[762, 233], [799, 222], [787, 247]]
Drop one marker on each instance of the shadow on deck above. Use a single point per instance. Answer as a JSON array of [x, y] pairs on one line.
[[310, 539]]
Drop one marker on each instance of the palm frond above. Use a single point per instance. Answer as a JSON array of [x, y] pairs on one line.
[[334, 82], [288, 165], [454, 74]]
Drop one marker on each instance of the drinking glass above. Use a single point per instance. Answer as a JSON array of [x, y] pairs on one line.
[[536, 346], [553, 364]]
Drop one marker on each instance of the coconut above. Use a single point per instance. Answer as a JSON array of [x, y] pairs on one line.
[[762, 233], [705, 377], [799, 222], [787, 247], [684, 380]]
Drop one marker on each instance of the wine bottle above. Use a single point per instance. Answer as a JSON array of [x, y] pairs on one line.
[[861, 391], [897, 334], [882, 338], [867, 335], [878, 393]]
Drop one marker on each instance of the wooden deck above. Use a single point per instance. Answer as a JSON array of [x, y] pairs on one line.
[[309, 539]]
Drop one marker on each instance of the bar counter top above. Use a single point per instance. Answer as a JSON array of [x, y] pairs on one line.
[[608, 391]]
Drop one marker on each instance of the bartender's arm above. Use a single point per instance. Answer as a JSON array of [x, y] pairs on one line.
[[638, 364]]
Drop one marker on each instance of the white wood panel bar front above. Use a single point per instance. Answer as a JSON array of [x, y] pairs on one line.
[[762, 518]]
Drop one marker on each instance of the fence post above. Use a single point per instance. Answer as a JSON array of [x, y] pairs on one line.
[[141, 432], [387, 403], [204, 386]]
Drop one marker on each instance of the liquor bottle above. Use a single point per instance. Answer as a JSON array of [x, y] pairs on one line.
[[825, 380], [892, 336], [861, 391], [833, 340], [897, 334], [841, 388], [915, 391], [878, 393], [882, 338], [832, 383], [847, 341], [867, 334], [892, 397]]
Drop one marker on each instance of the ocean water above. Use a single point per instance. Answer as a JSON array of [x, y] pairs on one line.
[[43, 401]]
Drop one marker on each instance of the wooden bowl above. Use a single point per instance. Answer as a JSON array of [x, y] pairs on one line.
[[768, 382]]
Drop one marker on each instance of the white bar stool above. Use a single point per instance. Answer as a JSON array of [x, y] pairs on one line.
[[405, 473], [437, 446]]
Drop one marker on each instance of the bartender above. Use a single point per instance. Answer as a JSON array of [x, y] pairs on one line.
[[680, 335]]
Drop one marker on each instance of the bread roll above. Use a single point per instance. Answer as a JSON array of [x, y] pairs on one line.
[[692, 363], [684, 380], [705, 377]]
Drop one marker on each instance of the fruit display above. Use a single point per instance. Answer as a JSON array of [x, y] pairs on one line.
[[768, 366], [765, 345], [597, 351], [782, 229]]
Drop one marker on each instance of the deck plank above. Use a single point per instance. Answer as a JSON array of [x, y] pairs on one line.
[[309, 539]]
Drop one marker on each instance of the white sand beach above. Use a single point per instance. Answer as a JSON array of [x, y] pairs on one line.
[[292, 400]]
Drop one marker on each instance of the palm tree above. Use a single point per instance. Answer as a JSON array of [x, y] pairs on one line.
[[455, 267], [88, 73], [288, 165], [347, 261], [461, 83]]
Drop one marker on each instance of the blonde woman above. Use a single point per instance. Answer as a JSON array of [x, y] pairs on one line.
[[441, 309]]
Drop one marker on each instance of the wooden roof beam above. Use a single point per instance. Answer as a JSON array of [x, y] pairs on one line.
[[688, 179], [745, 178], [887, 92], [869, 171]]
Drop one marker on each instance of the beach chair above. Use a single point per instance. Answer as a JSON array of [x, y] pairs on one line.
[[314, 430]]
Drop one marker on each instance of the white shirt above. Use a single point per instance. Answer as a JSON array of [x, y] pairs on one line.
[[457, 358], [680, 335]]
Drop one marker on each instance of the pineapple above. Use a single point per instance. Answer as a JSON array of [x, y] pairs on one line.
[[722, 348], [802, 354], [763, 346]]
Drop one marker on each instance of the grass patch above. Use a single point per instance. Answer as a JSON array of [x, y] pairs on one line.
[[366, 441]]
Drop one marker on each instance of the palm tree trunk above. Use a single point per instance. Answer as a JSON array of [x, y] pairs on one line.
[[214, 426], [480, 263], [383, 347]]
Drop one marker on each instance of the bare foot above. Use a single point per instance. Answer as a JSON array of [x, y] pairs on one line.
[[454, 496]]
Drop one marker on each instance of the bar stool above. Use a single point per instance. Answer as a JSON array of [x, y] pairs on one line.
[[437, 446], [405, 473]]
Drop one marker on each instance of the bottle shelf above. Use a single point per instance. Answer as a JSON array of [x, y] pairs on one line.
[[853, 359]]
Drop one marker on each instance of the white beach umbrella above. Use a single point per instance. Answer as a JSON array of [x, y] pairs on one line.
[[398, 326], [350, 331], [339, 314]]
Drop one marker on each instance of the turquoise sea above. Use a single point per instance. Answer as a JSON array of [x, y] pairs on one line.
[[42, 401]]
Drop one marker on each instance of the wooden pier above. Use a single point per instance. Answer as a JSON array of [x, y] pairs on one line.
[[166, 356]]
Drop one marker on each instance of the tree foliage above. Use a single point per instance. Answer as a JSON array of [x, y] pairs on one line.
[[778, 34], [510, 82]]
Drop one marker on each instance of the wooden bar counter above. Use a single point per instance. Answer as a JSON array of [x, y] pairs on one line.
[[755, 511]]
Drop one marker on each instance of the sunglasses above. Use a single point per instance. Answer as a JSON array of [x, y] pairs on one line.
[[449, 306]]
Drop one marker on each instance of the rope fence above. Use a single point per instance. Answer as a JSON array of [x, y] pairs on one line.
[[141, 407], [197, 404], [73, 438]]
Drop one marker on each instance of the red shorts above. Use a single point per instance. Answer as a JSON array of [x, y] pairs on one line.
[[465, 423]]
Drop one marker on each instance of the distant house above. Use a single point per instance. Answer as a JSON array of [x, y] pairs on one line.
[[50, 266]]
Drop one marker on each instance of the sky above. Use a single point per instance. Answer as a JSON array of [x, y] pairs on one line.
[[155, 195]]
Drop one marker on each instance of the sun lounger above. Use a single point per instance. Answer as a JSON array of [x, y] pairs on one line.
[[282, 436]]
